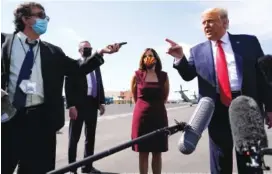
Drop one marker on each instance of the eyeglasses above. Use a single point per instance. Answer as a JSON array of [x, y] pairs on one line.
[[41, 15]]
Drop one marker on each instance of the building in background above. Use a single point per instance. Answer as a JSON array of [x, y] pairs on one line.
[[119, 97]]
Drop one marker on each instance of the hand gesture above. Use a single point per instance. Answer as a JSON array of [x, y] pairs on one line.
[[269, 120], [73, 113], [175, 50], [110, 49], [102, 109]]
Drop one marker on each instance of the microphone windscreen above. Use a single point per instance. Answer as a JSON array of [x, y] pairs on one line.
[[198, 122], [247, 123]]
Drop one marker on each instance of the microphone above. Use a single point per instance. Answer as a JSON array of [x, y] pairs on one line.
[[196, 125], [247, 123], [248, 132], [122, 43]]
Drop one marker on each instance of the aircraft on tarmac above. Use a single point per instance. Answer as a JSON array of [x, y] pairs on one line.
[[185, 98]]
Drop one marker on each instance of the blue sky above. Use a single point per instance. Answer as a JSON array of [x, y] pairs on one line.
[[142, 24]]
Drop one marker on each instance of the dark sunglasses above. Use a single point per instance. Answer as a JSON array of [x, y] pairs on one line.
[[40, 15]]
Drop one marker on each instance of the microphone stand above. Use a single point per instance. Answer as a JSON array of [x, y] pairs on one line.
[[255, 156], [180, 126]]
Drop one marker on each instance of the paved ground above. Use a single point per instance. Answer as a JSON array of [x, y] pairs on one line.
[[114, 129]]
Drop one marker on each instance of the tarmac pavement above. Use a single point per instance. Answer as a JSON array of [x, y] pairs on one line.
[[114, 129]]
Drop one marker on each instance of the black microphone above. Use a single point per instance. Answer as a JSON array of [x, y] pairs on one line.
[[196, 125], [248, 132], [122, 43]]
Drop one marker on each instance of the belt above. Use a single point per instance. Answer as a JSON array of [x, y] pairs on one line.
[[234, 94], [89, 97], [32, 108]]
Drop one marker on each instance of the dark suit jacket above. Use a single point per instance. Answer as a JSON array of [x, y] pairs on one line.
[[76, 89], [247, 51], [55, 65]]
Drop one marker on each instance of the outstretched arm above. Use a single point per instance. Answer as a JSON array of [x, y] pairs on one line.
[[166, 89], [186, 68], [133, 88], [264, 89]]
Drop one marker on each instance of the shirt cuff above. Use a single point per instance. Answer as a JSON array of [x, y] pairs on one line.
[[176, 61]]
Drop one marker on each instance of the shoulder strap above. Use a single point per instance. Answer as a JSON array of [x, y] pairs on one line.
[[138, 75], [6, 48]]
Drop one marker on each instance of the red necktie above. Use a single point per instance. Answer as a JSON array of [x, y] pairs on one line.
[[222, 75]]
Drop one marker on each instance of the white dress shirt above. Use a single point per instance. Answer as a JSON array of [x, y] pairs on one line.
[[89, 81], [231, 63], [17, 57]]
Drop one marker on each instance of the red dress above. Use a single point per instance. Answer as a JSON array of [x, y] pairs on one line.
[[149, 113]]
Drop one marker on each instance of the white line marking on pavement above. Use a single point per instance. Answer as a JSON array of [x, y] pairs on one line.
[[114, 116]]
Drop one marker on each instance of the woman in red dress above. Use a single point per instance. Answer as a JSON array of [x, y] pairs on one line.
[[150, 88]]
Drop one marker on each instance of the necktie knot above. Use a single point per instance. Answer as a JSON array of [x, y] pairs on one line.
[[219, 42], [31, 43]]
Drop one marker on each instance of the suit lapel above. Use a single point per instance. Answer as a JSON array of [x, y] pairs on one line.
[[46, 55], [44, 52], [98, 81], [97, 74], [209, 61], [235, 44]]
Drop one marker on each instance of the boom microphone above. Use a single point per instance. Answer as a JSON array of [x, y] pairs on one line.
[[247, 123], [167, 131], [248, 132], [197, 124]]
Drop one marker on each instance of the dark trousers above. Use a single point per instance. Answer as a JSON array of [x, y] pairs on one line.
[[29, 142], [87, 113], [221, 143]]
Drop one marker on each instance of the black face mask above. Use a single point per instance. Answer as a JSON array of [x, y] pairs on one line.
[[87, 52]]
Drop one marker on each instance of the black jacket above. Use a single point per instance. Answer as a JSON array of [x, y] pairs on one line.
[[76, 88], [55, 66]]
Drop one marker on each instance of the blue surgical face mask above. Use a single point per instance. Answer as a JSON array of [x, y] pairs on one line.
[[40, 26]]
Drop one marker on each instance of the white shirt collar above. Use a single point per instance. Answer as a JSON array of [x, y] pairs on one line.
[[23, 37], [81, 59], [225, 39]]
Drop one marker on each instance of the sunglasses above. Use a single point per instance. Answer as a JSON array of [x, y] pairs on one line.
[[41, 15]]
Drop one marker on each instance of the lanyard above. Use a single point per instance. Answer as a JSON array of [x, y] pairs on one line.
[[26, 52]]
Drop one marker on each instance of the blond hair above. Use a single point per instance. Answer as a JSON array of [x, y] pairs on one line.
[[221, 12]]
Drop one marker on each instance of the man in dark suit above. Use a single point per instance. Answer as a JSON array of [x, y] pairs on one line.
[[85, 95], [226, 67], [30, 136], [265, 64]]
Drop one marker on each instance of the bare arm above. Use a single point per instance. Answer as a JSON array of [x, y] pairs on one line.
[[133, 88], [166, 89]]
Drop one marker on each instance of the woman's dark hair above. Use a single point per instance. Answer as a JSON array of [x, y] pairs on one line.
[[24, 9], [158, 67]]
